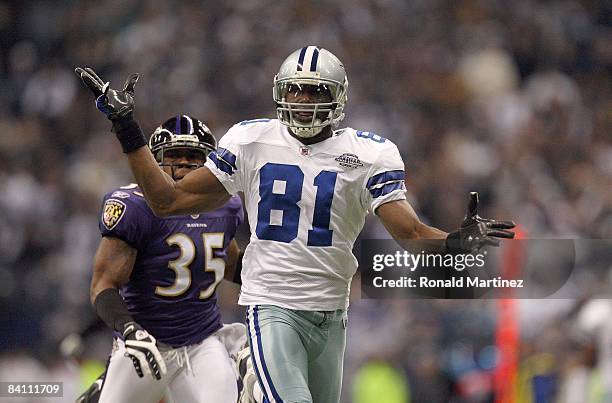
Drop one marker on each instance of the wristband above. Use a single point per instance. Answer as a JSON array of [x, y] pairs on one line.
[[129, 134]]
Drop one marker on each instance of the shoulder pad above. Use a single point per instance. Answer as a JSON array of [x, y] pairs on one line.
[[249, 131], [254, 121], [370, 145], [126, 191], [128, 195]]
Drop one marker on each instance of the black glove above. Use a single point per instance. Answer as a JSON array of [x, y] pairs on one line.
[[476, 232], [114, 104], [141, 347], [118, 106]]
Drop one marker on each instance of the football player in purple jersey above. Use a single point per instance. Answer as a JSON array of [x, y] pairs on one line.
[[154, 284]]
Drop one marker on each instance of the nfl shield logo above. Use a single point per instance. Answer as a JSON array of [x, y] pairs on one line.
[[304, 151]]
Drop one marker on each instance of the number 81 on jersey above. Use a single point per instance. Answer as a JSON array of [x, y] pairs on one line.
[[286, 202]]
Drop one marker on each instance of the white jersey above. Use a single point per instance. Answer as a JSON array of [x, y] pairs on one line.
[[306, 205]]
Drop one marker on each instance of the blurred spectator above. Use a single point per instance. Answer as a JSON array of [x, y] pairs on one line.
[[379, 382]]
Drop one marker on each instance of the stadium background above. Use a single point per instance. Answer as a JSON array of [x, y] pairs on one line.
[[510, 99]]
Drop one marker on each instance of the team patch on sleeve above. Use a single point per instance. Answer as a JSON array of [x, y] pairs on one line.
[[112, 213]]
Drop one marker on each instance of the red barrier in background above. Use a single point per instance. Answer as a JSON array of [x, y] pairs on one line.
[[507, 334]]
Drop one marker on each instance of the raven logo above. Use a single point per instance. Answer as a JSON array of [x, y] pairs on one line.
[[112, 213]]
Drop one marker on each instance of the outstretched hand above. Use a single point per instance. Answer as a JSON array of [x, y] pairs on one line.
[[475, 232]]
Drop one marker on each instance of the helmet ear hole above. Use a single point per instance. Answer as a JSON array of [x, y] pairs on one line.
[[159, 156]]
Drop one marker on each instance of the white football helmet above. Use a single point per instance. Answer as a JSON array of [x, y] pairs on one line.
[[315, 66]]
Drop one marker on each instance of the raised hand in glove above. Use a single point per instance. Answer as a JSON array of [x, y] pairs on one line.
[[475, 232], [118, 106], [114, 104], [141, 347]]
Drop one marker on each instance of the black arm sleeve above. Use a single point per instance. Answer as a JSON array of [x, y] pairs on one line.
[[112, 310]]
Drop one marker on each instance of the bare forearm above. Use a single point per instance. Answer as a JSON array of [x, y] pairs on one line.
[[427, 232], [405, 227], [402, 222], [199, 191], [156, 185], [419, 237]]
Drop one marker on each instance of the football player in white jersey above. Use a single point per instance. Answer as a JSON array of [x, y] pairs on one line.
[[308, 187]]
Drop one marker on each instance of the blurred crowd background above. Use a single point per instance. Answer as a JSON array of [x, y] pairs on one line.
[[513, 99]]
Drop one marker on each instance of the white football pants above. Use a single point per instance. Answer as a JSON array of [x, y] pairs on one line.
[[200, 373]]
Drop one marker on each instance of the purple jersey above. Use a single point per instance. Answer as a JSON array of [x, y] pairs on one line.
[[180, 261]]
